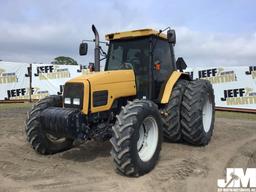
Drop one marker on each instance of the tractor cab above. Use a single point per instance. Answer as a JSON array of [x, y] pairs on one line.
[[148, 53]]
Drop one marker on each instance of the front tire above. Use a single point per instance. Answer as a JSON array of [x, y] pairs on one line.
[[137, 138], [41, 141], [198, 113]]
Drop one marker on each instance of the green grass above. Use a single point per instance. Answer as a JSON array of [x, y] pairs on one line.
[[15, 106], [235, 115]]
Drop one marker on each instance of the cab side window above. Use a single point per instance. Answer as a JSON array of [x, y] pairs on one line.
[[162, 55], [162, 58]]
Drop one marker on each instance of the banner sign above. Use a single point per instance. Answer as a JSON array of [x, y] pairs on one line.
[[13, 81], [47, 79], [234, 87]]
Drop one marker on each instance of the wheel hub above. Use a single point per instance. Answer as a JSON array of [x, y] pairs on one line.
[[207, 115], [148, 139]]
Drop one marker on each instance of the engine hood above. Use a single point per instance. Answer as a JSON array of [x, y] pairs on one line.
[[106, 77], [116, 84]]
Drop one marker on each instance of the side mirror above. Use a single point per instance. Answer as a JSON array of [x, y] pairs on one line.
[[171, 35], [83, 48], [181, 64]]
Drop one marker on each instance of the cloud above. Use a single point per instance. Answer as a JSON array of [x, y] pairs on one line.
[[39, 31], [215, 49]]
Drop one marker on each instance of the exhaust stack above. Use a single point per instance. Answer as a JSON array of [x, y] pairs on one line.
[[96, 49]]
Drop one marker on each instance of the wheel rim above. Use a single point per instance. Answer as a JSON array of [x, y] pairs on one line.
[[148, 138], [207, 115]]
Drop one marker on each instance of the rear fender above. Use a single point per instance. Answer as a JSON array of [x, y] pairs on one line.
[[166, 93]]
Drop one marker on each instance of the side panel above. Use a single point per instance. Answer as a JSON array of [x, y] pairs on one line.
[[106, 87], [115, 91], [170, 84]]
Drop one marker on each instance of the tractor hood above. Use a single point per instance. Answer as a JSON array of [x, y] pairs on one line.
[[103, 88], [106, 77]]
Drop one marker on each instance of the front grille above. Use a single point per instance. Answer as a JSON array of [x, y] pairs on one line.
[[74, 90]]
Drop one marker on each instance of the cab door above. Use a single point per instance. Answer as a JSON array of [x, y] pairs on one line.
[[163, 65]]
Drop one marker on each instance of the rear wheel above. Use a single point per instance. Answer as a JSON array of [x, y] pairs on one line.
[[171, 113], [137, 138], [198, 113], [42, 141]]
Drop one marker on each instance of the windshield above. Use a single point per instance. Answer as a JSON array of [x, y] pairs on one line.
[[131, 54], [128, 53]]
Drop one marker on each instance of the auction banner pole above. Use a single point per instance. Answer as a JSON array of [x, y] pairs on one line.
[[30, 82]]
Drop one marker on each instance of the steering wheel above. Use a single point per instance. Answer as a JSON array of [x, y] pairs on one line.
[[126, 66]]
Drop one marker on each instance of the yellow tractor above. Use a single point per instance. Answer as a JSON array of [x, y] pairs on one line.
[[141, 96]]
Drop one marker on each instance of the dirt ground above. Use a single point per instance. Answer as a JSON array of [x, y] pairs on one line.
[[89, 168]]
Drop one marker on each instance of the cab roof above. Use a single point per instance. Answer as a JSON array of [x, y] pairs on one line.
[[134, 34]]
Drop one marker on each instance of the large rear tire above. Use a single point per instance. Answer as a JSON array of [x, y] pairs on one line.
[[137, 138], [171, 113], [41, 141], [198, 113]]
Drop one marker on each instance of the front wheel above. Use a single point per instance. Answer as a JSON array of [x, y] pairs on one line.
[[137, 138], [42, 141]]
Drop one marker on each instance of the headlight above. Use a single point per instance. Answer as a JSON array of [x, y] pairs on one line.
[[67, 101], [76, 101], [73, 95]]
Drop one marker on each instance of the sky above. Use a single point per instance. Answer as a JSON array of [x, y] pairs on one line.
[[209, 32]]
